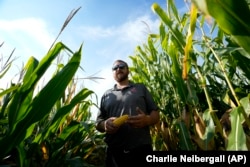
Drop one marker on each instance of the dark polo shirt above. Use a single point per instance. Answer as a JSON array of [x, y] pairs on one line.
[[116, 102]]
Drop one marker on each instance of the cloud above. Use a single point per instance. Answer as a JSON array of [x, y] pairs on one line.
[[136, 31], [28, 35], [111, 43], [95, 33]]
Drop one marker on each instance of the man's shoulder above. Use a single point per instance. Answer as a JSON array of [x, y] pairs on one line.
[[138, 84], [110, 90]]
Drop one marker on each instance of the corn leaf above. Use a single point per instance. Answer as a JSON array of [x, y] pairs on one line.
[[210, 128], [178, 37], [188, 48], [61, 114], [28, 70], [42, 104], [5, 70], [26, 90], [176, 70], [174, 10], [65, 135], [237, 137], [30, 67], [185, 140], [245, 102], [232, 17], [9, 90]]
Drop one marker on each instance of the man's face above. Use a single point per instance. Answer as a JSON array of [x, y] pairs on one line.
[[120, 71]]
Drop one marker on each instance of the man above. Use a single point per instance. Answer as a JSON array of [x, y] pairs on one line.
[[126, 142]]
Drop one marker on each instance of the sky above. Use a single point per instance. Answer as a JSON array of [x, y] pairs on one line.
[[107, 29]]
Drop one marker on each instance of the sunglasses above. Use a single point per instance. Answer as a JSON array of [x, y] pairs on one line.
[[120, 66]]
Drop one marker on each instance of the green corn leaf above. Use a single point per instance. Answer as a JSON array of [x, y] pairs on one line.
[[8, 94], [210, 128], [176, 70], [9, 90], [177, 34], [245, 102], [42, 104], [53, 90], [185, 141], [24, 93], [189, 43], [30, 67], [5, 70], [61, 114], [24, 162], [68, 131], [232, 17], [242, 63], [174, 10], [153, 51], [65, 135], [237, 137], [44, 65]]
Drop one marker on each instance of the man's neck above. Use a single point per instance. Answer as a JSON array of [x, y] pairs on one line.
[[123, 84]]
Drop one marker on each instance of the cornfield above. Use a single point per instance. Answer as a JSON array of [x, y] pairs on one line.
[[197, 70], [196, 67]]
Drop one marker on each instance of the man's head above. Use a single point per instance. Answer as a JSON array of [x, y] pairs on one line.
[[120, 70]]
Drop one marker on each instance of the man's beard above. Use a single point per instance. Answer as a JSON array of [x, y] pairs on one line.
[[121, 77]]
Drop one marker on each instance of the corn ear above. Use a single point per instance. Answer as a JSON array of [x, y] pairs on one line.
[[120, 120], [45, 152], [199, 126]]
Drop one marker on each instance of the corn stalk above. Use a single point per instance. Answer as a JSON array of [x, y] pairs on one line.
[[188, 83]]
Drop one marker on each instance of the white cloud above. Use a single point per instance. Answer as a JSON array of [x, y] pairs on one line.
[[115, 42], [29, 37], [23, 30], [95, 33], [136, 31], [133, 31]]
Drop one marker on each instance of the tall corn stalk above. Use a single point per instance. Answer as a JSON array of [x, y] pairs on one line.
[[50, 126], [191, 71]]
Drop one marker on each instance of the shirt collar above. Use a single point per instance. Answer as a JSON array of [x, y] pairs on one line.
[[130, 84]]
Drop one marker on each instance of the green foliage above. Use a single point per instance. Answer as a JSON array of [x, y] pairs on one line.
[[48, 127], [237, 18], [51, 126], [198, 76], [237, 138]]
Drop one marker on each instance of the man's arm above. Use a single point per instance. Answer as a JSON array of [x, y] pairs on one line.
[[107, 125], [153, 118], [142, 120], [100, 126]]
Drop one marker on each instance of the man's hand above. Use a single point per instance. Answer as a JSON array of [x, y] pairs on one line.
[[109, 126], [140, 120]]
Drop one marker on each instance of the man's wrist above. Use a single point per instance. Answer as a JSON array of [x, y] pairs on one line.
[[105, 125], [148, 120]]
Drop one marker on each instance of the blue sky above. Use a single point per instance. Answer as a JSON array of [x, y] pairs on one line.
[[108, 30]]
